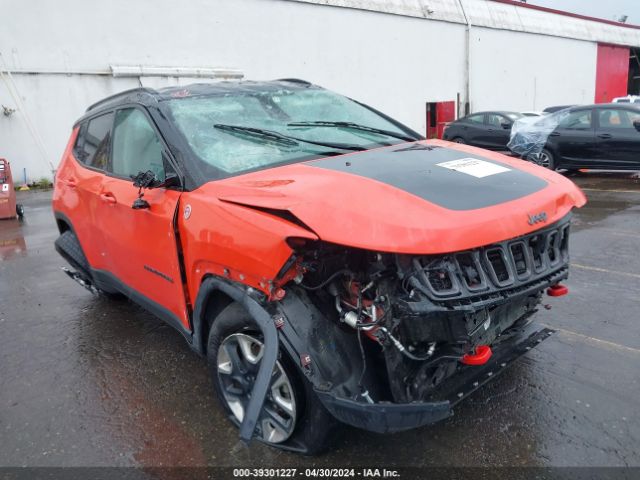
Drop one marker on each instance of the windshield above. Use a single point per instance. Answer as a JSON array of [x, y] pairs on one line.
[[226, 151]]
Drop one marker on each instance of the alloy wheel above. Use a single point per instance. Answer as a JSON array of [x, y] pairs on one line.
[[238, 363]]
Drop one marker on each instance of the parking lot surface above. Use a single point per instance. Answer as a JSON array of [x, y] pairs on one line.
[[87, 381]]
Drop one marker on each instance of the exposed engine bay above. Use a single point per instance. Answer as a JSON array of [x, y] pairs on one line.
[[419, 319]]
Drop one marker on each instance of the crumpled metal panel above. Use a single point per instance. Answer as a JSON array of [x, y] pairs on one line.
[[490, 14]]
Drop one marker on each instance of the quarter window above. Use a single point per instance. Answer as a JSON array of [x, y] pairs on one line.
[[136, 146]]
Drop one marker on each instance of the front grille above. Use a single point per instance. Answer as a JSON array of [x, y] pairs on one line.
[[506, 265]]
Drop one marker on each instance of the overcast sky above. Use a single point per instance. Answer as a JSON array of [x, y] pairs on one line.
[[609, 9]]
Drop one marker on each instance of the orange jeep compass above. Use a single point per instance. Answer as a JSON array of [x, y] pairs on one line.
[[332, 265]]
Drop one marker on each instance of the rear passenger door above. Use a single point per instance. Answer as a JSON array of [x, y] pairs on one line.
[[618, 140], [81, 183], [141, 244]]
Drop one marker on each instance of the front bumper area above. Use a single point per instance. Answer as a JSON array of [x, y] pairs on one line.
[[385, 417]]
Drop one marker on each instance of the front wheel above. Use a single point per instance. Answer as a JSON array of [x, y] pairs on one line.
[[292, 417]]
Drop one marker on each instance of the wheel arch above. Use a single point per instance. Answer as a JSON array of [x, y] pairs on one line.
[[211, 288], [62, 222]]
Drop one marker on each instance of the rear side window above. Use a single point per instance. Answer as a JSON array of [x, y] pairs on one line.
[[92, 145], [136, 146]]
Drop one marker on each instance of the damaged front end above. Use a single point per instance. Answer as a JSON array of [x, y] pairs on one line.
[[393, 341]]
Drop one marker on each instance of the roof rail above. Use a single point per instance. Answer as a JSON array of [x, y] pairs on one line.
[[295, 80], [119, 94]]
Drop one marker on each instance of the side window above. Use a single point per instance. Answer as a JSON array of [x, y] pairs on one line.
[[496, 120], [92, 145], [613, 118], [475, 118], [576, 120], [136, 146]]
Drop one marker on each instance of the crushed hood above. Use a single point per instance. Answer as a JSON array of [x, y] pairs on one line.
[[423, 197]]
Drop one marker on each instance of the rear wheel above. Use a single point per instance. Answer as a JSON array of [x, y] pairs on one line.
[[19, 211], [547, 160], [68, 244], [292, 417]]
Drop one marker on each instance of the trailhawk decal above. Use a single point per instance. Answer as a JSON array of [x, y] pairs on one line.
[[474, 167], [426, 172]]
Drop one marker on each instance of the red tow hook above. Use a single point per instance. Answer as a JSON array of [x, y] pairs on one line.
[[482, 356], [557, 290]]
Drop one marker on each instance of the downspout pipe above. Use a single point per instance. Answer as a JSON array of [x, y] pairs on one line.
[[271, 344], [467, 63]]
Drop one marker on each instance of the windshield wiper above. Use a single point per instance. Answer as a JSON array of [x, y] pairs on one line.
[[355, 126], [284, 140]]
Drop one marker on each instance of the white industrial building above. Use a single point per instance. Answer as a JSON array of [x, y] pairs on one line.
[[396, 55]]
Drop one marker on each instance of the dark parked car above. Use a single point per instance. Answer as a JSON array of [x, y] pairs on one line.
[[604, 136], [490, 130]]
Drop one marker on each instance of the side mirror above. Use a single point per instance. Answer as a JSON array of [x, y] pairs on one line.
[[148, 180], [506, 125], [636, 124], [144, 179]]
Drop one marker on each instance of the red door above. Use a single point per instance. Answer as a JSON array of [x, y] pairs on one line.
[[612, 72], [141, 244], [438, 115]]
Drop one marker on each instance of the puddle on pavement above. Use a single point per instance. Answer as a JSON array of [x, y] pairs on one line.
[[12, 242]]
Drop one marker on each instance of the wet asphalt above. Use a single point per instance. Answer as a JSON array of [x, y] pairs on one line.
[[87, 381]]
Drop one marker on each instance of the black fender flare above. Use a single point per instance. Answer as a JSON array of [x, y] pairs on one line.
[[325, 353], [271, 344]]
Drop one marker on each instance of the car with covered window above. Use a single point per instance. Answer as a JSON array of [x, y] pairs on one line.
[[601, 136]]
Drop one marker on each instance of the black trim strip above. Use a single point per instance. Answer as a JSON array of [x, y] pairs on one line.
[[107, 280]]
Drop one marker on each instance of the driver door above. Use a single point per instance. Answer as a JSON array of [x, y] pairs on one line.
[[141, 244]]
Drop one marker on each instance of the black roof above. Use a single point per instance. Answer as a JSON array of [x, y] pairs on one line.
[[150, 96]]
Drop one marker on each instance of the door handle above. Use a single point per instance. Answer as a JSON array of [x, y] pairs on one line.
[[72, 182], [604, 135], [108, 197]]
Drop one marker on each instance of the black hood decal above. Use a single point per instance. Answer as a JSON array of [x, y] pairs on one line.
[[467, 182]]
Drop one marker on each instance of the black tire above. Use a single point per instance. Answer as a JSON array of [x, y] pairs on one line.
[[69, 247], [19, 211], [313, 424], [459, 140], [550, 161]]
